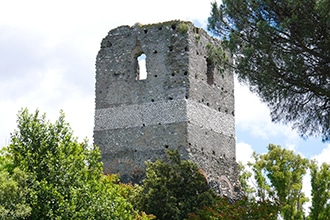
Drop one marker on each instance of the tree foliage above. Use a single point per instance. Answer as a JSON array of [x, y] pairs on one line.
[[279, 176], [173, 188], [320, 180], [282, 50], [47, 174], [13, 191], [245, 209]]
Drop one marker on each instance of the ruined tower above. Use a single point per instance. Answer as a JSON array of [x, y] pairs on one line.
[[185, 102]]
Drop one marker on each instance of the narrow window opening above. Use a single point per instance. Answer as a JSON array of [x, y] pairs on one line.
[[141, 72], [210, 71]]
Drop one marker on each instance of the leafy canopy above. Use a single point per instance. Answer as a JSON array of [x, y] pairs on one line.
[[320, 180], [244, 208], [279, 176], [173, 188], [282, 50], [45, 173]]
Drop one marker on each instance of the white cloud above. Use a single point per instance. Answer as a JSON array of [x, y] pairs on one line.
[[307, 189], [244, 152], [253, 116], [324, 156], [48, 51], [61, 16]]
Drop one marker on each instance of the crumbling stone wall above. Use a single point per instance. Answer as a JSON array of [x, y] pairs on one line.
[[185, 103]]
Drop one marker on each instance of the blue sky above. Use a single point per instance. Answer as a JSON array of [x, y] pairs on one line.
[[47, 59]]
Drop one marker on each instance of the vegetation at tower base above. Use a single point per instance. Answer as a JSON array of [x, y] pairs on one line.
[[275, 189], [46, 174], [245, 208], [172, 189], [282, 51]]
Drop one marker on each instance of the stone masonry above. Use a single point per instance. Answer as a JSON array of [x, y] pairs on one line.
[[185, 103]]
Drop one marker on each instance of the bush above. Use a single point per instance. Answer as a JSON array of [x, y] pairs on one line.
[[172, 189], [241, 209], [45, 173]]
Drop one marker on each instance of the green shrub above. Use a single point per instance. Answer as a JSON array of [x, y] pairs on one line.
[[172, 189], [241, 209], [45, 173]]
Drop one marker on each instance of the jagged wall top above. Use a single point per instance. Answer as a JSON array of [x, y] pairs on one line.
[[170, 49]]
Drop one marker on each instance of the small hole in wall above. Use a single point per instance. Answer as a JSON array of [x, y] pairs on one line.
[[160, 28], [141, 67], [213, 152], [186, 49], [152, 100], [173, 74], [173, 26], [170, 98], [155, 51], [185, 73], [170, 48], [143, 125], [166, 146], [145, 31]]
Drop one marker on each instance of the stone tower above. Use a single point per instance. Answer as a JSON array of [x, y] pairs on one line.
[[185, 102]]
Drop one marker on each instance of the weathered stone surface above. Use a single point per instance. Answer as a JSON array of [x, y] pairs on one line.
[[185, 102]]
